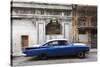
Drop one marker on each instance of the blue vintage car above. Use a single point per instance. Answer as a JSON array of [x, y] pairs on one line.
[[57, 47]]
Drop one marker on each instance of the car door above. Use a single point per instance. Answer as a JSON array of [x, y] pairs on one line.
[[68, 49], [63, 48], [57, 48], [52, 48]]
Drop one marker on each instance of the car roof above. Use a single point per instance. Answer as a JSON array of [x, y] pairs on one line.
[[56, 40]]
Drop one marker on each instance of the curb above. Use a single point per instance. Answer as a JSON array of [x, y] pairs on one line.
[[93, 50]]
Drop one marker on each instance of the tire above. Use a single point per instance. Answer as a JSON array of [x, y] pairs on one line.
[[43, 56], [81, 54]]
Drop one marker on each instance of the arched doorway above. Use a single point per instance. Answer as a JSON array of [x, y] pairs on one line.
[[53, 29]]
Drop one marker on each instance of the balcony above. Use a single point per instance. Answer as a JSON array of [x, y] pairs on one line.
[[87, 26], [87, 22]]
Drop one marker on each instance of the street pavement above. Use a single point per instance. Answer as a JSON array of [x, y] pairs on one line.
[[29, 61]]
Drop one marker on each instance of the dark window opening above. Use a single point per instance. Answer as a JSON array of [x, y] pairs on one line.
[[62, 42], [68, 12], [82, 31], [82, 21], [53, 28], [94, 21]]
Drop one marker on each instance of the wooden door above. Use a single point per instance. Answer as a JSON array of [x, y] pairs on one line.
[[24, 41]]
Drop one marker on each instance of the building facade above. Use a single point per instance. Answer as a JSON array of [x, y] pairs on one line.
[[35, 23], [85, 24]]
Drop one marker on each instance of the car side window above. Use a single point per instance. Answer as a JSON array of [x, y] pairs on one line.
[[53, 43], [56, 43], [62, 43]]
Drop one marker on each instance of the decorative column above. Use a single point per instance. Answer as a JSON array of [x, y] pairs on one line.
[[89, 31], [75, 24]]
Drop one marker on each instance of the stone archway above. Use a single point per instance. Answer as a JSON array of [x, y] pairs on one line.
[[53, 29]]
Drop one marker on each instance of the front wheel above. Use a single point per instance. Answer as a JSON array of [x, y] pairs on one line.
[[43, 56], [81, 54]]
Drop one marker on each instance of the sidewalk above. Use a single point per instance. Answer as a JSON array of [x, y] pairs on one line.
[[93, 50], [21, 60]]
